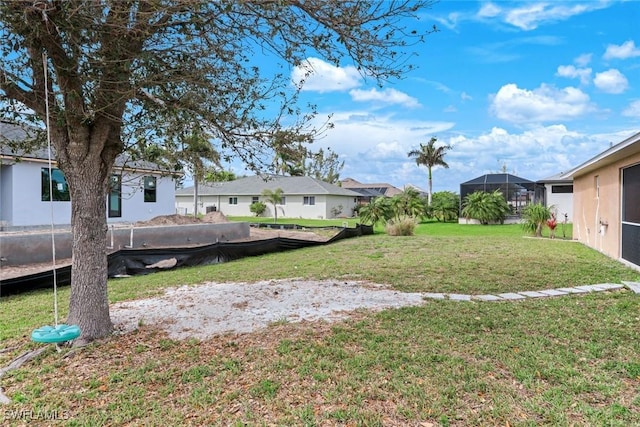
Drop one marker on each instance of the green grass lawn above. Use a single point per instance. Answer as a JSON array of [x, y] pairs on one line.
[[573, 360]]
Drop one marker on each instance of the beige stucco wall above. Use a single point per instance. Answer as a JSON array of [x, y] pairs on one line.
[[597, 220]]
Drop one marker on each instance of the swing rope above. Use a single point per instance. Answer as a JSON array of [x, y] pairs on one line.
[[59, 332], [53, 240]]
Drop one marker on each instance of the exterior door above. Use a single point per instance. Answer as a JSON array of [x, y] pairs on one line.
[[631, 214]]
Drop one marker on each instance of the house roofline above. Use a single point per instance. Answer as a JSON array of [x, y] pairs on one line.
[[14, 160], [607, 157]]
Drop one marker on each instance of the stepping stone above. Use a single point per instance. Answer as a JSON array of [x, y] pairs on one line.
[[633, 286], [572, 290], [487, 298], [432, 295], [586, 288], [533, 294], [607, 286], [600, 287], [510, 295], [459, 297], [553, 292]]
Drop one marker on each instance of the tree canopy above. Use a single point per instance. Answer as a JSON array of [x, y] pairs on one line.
[[116, 75]]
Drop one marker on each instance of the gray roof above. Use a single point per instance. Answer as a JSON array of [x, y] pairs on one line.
[[255, 185], [559, 177], [10, 132]]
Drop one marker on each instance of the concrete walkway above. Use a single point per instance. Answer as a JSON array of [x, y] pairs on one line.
[[511, 296]]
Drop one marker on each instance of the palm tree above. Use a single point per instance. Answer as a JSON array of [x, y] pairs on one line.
[[429, 155], [485, 207], [378, 210], [407, 204], [275, 198], [535, 216]]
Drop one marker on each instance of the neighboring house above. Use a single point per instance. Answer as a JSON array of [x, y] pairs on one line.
[[303, 197], [518, 192], [606, 201], [139, 191], [556, 192], [367, 192]]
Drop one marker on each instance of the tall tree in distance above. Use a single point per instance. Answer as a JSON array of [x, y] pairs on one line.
[[290, 152], [430, 156], [115, 72], [324, 165]]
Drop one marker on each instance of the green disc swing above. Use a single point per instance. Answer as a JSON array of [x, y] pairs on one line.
[[59, 332]]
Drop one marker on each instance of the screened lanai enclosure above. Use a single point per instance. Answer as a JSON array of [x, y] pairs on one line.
[[518, 192]]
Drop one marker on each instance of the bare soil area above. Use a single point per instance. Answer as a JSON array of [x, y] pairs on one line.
[[8, 272]]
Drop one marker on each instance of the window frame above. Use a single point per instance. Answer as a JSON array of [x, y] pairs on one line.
[[115, 190], [150, 189], [59, 195], [562, 189]]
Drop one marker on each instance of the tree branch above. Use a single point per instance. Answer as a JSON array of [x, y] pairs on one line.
[[15, 364]]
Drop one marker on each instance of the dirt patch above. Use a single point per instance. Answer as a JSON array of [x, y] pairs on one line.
[[210, 218], [213, 309], [316, 235]]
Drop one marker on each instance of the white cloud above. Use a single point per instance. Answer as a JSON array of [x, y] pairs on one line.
[[465, 96], [570, 71], [387, 96], [450, 109], [319, 76], [543, 104], [489, 10], [536, 153], [583, 60], [633, 110], [626, 50], [450, 21], [611, 81], [361, 134], [532, 15]]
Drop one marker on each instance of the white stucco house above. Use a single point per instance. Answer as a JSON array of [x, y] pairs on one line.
[[303, 197], [139, 191], [557, 192]]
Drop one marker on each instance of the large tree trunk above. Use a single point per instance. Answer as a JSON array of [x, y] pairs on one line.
[[89, 304], [87, 163]]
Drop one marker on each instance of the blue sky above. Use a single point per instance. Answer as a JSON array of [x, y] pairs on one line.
[[536, 87]]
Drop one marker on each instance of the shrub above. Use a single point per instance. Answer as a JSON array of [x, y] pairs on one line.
[[535, 216], [485, 207], [402, 227], [444, 206], [258, 208], [378, 210], [336, 210]]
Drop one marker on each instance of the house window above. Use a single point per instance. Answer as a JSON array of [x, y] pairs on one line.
[[233, 200], [114, 200], [150, 189], [255, 199], [562, 189], [283, 200], [309, 200], [58, 184]]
